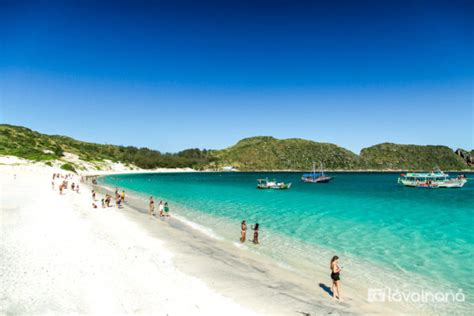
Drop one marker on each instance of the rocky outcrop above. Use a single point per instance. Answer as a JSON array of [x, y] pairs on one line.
[[466, 156]]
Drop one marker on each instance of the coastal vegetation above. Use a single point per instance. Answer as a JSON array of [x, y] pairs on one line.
[[268, 153], [412, 157], [249, 154]]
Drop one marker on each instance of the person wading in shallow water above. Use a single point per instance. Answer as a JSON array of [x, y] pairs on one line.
[[243, 231], [255, 233], [335, 271], [151, 205]]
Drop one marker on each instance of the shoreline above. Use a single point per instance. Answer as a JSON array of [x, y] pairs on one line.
[[248, 278], [355, 284], [15, 161], [179, 170], [199, 269], [309, 290], [61, 256]]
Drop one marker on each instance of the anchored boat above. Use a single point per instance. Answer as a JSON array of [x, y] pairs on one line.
[[316, 177], [265, 184], [432, 180]]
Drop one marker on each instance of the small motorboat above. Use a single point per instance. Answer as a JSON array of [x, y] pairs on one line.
[[266, 184]]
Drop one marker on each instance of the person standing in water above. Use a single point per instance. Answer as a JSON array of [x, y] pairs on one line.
[[243, 231], [335, 271], [161, 208], [166, 210], [151, 205], [255, 233]]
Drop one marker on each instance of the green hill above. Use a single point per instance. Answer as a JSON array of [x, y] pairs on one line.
[[25, 143], [268, 153], [412, 157], [255, 153]]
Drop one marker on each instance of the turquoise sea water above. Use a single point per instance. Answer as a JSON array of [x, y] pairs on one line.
[[381, 230]]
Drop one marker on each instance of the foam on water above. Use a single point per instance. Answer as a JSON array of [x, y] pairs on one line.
[[386, 235]]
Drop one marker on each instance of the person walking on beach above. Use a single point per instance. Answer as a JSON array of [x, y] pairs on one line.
[[255, 233], [161, 208], [119, 201], [151, 205], [123, 196], [335, 271], [166, 210], [77, 188], [93, 195], [243, 231]]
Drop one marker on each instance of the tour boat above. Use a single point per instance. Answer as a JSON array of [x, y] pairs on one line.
[[265, 184], [316, 177], [432, 180]]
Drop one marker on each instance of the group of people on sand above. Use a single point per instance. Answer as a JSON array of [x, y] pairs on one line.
[[105, 201], [163, 208], [243, 232], [64, 183]]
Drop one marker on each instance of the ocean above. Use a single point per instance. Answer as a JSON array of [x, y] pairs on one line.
[[386, 235]]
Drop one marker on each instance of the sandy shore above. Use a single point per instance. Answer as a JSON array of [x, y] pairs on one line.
[[59, 255]]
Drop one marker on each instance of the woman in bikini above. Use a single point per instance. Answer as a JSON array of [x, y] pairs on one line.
[[335, 271], [255, 233], [243, 231]]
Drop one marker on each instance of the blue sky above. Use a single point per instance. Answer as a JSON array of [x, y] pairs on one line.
[[178, 74]]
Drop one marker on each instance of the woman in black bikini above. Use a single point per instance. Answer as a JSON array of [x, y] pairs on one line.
[[255, 233], [243, 231], [335, 270]]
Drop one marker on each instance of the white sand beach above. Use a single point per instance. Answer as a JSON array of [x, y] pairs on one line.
[[59, 255]]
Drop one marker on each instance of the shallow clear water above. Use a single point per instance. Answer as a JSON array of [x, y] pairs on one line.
[[424, 236]]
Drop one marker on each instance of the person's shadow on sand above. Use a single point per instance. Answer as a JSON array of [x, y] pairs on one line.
[[326, 289]]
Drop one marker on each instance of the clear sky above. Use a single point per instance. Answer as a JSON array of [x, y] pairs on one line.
[[179, 74]]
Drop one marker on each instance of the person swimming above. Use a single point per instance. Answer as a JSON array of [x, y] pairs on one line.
[[255, 233], [335, 276], [243, 231]]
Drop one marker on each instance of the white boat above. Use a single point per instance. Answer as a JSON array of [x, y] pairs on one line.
[[265, 184], [431, 180]]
